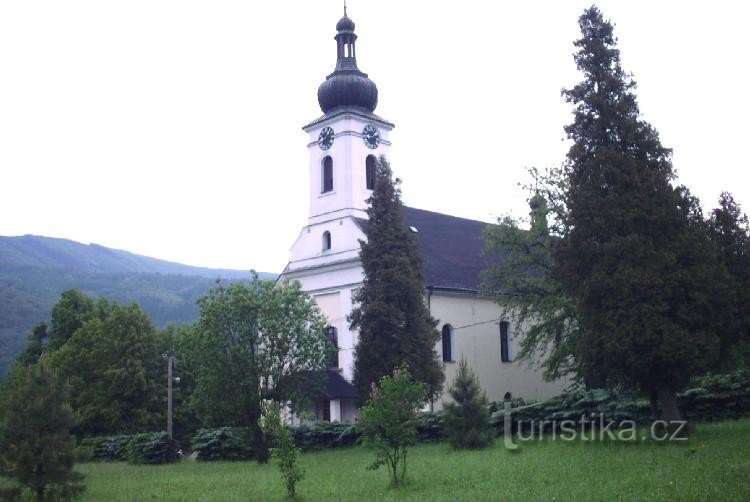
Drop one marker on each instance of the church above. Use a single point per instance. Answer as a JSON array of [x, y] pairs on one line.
[[343, 146]]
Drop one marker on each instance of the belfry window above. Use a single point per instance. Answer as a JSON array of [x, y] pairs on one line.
[[370, 172], [333, 338], [327, 175], [326, 241], [448, 343], [504, 342]]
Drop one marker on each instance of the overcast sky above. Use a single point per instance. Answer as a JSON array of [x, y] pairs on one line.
[[172, 128]]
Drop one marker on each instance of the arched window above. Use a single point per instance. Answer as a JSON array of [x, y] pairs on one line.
[[370, 172], [504, 342], [333, 338], [326, 240], [327, 174], [448, 343]]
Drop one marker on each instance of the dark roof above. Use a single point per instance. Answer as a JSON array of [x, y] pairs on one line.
[[337, 387], [452, 248]]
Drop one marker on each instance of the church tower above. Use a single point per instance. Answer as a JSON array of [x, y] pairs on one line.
[[344, 145]]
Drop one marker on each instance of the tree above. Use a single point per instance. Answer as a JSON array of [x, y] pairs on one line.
[[388, 422], [115, 371], [520, 279], [284, 451], [395, 327], [636, 258], [467, 418], [69, 313], [730, 231], [72, 310], [36, 447], [253, 342]]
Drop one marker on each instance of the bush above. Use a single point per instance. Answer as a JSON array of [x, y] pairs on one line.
[[109, 449], [320, 435], [430, 427], [152, 448], [224, 443], [388, 422]]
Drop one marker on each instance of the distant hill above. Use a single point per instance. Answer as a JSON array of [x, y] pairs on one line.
[[35, 270]]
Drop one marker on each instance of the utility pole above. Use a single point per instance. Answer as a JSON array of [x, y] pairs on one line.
[[170, 360], [170, 364]]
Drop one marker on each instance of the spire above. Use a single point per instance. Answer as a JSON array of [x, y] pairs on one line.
[[347, 85]]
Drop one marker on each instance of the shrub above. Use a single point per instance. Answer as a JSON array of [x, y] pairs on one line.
[[284, 451], [110, 449], [151, 448], [224, 443], [388, 422], [320, 435], [430, 427], [467, 418]]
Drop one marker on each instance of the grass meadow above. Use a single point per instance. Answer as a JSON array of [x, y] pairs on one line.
[[714, 464]]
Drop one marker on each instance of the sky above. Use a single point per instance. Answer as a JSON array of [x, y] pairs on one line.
[[173, 128]]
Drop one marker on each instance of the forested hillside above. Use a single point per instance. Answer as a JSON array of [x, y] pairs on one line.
[[35, 270]]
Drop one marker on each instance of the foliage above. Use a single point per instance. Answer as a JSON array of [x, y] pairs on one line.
[[708, 398], [110, 448], [394, 324], [635, 257], [467, 419], [36, 447], [729, 229], [321, 435], [254, 342], [151, 448], [224, 443], [284, 452], [115, 370], [388, 422], [520, 277]]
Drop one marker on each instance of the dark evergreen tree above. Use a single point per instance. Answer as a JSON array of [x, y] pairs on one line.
[[467, 418], [36, 446], [636, 259], [730, 231], [395, 327]]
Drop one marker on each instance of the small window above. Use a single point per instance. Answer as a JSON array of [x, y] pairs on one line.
[[370, 172], [447, 343], [333, 338], [326, 241], [327, 175], [504, 343]]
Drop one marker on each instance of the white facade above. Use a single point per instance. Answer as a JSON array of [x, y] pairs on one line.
[[325, 255]]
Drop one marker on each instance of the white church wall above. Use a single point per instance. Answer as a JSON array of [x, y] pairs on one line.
[[476, 335]]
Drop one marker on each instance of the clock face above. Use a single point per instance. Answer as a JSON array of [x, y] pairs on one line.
[[325, 139], [371, 136]]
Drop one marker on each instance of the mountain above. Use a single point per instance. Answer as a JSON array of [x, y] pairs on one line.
[[35, 270]]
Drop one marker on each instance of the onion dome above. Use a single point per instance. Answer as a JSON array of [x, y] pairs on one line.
[[347, 86]]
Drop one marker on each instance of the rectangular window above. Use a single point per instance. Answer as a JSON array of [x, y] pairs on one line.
[[504, 342]]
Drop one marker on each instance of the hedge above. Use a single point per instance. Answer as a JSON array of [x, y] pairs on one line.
[[225, 443], [145, 448]]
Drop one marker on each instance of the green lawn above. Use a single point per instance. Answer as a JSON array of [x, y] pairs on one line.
[[713, 465]]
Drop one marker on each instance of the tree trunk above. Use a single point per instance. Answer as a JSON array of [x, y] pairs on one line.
[[670, 410]]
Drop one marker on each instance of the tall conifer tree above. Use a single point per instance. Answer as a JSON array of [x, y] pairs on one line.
[[395, 327], [636, 259]]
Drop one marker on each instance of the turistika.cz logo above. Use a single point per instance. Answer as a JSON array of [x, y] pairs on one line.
[[589, 428]]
